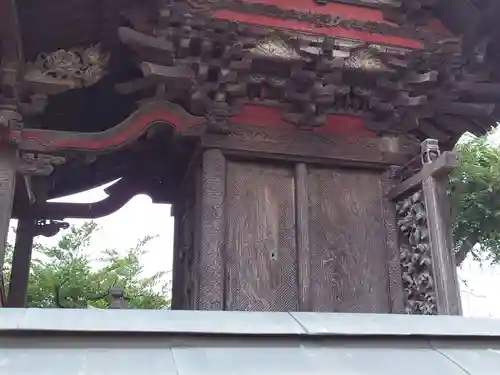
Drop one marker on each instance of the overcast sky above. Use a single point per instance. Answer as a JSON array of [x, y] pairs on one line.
[[140, 217]]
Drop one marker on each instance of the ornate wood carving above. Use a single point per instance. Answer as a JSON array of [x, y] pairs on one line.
[[210, 266], [396, 292], [209, 9], [415, 256], [38, 164], [308, 77], [68, 69], [429, 274]]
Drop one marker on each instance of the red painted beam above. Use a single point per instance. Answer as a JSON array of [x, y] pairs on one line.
[[337, 9], [150, 114], [309, 28], [170, 116]]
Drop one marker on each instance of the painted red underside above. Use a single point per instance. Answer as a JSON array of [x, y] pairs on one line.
[[345, 11], [136, 127], [337, 9], [308, 28], [250, 115], [255, 115]]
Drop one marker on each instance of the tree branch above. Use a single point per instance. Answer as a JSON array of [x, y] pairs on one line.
[[463, 251]]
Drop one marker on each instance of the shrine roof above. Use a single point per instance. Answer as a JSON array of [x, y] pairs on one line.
[[383, 66], [193, 342]]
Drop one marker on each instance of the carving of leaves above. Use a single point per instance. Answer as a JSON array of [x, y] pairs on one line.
[[84, 67], [415, 256]]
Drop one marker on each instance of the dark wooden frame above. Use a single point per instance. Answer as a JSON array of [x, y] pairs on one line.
[[298, 150], [433, 181]]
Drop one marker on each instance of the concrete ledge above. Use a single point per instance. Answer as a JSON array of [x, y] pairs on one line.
[[243, 323]]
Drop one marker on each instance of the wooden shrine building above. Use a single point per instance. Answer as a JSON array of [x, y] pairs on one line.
[[304, 145]]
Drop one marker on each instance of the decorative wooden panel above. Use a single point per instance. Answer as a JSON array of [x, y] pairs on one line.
[[261, 241], [347, 242]]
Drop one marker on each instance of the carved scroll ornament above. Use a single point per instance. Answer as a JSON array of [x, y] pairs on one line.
[[77, 67], [415, 256]]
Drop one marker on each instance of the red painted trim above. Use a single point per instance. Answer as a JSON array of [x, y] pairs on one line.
[[129, 130], [345, 125], [254, 115], [335, 9], [169, 115], [312, 29]]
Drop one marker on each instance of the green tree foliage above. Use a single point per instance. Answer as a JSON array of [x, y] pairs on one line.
[[68, 275], [475, 200]]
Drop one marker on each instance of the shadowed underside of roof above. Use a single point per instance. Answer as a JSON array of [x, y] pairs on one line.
[[190, 343]]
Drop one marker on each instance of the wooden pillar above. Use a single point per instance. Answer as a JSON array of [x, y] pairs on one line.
[[432, 180], [396, 295], [21, 262], [210, 265], [434, 188], [7, 188]]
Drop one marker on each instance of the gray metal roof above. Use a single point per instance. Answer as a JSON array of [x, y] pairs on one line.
[[109, 342]]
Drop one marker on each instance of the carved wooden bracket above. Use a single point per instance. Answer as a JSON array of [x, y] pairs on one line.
[[49, 228], [38, 164], [64, 70]]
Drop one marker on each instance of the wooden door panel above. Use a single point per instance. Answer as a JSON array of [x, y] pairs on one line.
[[347, 241], [261, 268]]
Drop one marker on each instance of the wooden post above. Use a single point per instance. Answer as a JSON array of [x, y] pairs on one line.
[[439, 223], [303, 250], [213, 237], [7, 188], [19, 277], [433, 180], [396, 296]]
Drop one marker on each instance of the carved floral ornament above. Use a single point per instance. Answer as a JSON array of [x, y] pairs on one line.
[[415, 256], [77, 68], [348, 55]]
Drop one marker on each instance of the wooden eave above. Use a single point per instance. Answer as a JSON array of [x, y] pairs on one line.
[[45, 26]]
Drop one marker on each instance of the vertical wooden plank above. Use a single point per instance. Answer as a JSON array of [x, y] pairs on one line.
[[210, 260], [7, 188], [21, 262], [303, 250], [441, 241], [396, 294], [347, 240], [261, 238], [176, 302], [198, 200]]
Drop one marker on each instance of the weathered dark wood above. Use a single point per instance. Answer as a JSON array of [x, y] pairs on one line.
[[303, 249], [176, 302], [442, 166], [489, 90], [58, 210], [210, 265], [347, 240], [166, 73], [7, 188], [465, 109], [10, 33], [261, 238], [21, 263], [441, 242], [198, 229], [375, 153], [392, 244]]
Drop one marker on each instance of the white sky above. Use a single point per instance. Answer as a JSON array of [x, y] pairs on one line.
[[140, 217]]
